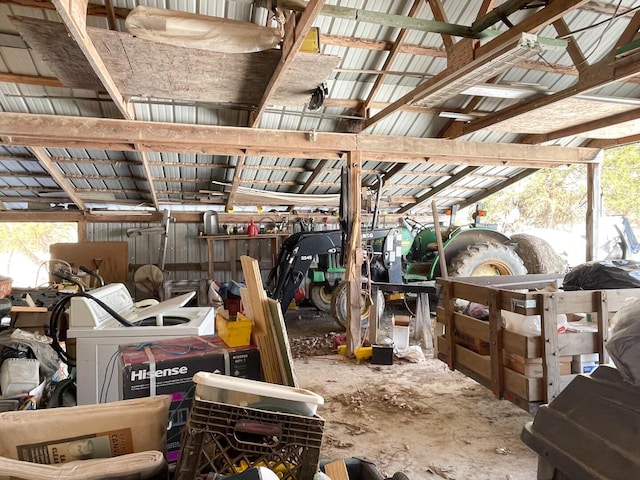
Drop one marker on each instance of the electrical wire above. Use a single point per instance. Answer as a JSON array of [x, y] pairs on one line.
[[108, 375], [608, 22], [57, 312], [595, 25]]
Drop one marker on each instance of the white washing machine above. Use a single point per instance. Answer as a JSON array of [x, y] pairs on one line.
[[98, 334]]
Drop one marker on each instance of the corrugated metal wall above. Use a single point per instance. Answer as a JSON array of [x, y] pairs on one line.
[[186, 256]]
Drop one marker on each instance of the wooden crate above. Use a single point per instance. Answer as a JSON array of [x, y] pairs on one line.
[[499, 293]]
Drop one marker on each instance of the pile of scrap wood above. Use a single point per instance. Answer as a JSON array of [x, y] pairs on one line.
[[269, 333]]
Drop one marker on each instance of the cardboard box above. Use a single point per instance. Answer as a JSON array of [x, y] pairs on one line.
[[532, 367], [59, 435], [168, 367]]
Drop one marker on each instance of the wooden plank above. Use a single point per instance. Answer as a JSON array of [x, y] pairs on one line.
[[496, 344], [472, 327], [354, 252], [262, 333], [247, 304], [19, 309], [529, 346], [603, 325], [283, 345], [550, 347], [525, 387], [337, 470], [449, 320], [481, 364]]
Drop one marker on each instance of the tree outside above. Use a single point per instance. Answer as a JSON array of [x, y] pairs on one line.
[[552, 203], [24, 249]]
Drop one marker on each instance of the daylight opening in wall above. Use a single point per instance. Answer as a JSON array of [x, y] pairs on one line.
[[24, 250]]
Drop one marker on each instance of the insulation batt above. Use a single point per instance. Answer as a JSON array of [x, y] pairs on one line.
[[200, 31]]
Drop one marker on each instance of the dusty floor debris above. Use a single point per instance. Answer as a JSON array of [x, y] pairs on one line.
[[418, 418]]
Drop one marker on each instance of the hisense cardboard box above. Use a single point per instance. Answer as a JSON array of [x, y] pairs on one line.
[[59, 435], [168, 367]]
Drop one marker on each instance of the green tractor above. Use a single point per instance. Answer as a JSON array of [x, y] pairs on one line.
[[401, 255], [471, 250]]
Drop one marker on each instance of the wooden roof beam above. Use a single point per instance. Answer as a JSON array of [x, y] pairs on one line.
[[438, 13], [237, 177], [605, 72], [391, 57], [311, 180], [614, 142], [583, 129], [464, 60], [74, 16], [172, 137], [290, 47], [440, 188], [46, 161]]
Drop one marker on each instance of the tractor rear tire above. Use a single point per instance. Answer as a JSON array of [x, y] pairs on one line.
[[339, 305], [536, 253], [321, 295], [486, 259]]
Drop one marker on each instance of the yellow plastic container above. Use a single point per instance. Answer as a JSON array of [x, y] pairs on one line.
[[235, 333]]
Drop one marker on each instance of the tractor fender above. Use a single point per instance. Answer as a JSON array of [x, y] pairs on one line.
[[460, 239]]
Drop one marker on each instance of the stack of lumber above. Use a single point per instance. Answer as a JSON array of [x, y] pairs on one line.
[[269, 333]]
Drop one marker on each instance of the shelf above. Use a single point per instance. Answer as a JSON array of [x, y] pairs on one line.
[[232, 251]]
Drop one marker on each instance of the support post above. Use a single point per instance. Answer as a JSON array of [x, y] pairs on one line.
[[354, 253]]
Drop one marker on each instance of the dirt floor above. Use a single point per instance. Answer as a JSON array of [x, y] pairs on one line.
[[418, 418]]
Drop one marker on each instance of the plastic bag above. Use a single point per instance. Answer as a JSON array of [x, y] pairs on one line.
[[604, 274], [413, 354], [624, 345], [38, 344]]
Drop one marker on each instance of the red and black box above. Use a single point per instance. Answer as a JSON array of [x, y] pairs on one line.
[[167, 367]]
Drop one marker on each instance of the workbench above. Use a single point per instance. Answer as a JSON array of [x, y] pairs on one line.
[[237, 245]]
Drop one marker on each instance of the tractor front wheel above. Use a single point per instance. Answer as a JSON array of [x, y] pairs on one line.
[[321, 294], [486, 259], [339, 305]]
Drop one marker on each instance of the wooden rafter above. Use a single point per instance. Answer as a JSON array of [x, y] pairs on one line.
[[490, 191], [289, 49], [111, 15], [27, 129], [438, 13], [391, 57], [498, 14], [311, 180], [484, 8], [583, 129], [604, 72], [434, 191], [464, 63], [577, 57], [615, 142], [630, 32], [74, 16], [44, 158], [237, 177]]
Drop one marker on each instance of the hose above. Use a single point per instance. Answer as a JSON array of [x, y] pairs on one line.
[[58, 310]]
